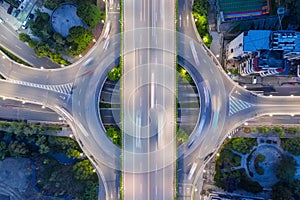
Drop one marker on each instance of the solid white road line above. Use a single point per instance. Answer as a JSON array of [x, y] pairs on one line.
[[18, 47]]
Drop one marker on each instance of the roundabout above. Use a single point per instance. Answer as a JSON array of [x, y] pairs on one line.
[[91, 77]]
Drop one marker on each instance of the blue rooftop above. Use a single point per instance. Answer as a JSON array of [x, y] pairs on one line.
[[257, 40], [297, 42]]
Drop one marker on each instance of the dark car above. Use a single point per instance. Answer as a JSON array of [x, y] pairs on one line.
[[9, 10], [31, 16]]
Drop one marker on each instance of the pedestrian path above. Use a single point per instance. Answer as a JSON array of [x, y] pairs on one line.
[[236, 105], [64, 89]]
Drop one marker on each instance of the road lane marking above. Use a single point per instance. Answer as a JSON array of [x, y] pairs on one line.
[[18, 47], [4, 37]]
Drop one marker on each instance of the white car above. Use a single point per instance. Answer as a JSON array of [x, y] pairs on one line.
[[1, 20]]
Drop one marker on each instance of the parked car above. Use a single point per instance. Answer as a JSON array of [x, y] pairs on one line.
[[1, 20], [16, 12], [25, 24], [10, 9], [31, 16]]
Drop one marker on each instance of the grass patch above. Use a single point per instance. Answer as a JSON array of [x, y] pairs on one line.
[[13, 57]]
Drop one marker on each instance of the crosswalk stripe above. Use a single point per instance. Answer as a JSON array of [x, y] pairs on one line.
[[236, 105], [65, 88]]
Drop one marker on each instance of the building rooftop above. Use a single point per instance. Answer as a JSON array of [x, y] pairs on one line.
[[270, 59], [237, 9], [286, 40], [257, 40]]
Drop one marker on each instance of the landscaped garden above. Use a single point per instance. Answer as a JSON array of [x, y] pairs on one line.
[[229, 179], [52, 44], [60, 167], [270, 163]]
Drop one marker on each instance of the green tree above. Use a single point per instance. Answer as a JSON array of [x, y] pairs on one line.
[[83, 170], [278, 130], [51, 4], [295, 188], [112, 133], [44, 149], [248, 185], [264, 129], [61, 144], [59, 40], [24, 37], [42, 50], [73, 153], [17, 149], [201, 7], [280, 192], [291, 145], [292, 130], [90, 192], [79, 39], [115, 74], [182, 136], [89, 13], [286, 169], [3, 150], [243, 145], [41, 26]]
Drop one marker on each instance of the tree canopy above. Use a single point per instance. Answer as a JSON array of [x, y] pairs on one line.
[[83, 170], [286, 169], [280, 192], [291, 145], [89, 13], [79, 39]]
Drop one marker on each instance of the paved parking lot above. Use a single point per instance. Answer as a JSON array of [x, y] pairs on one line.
[[9, 18]]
